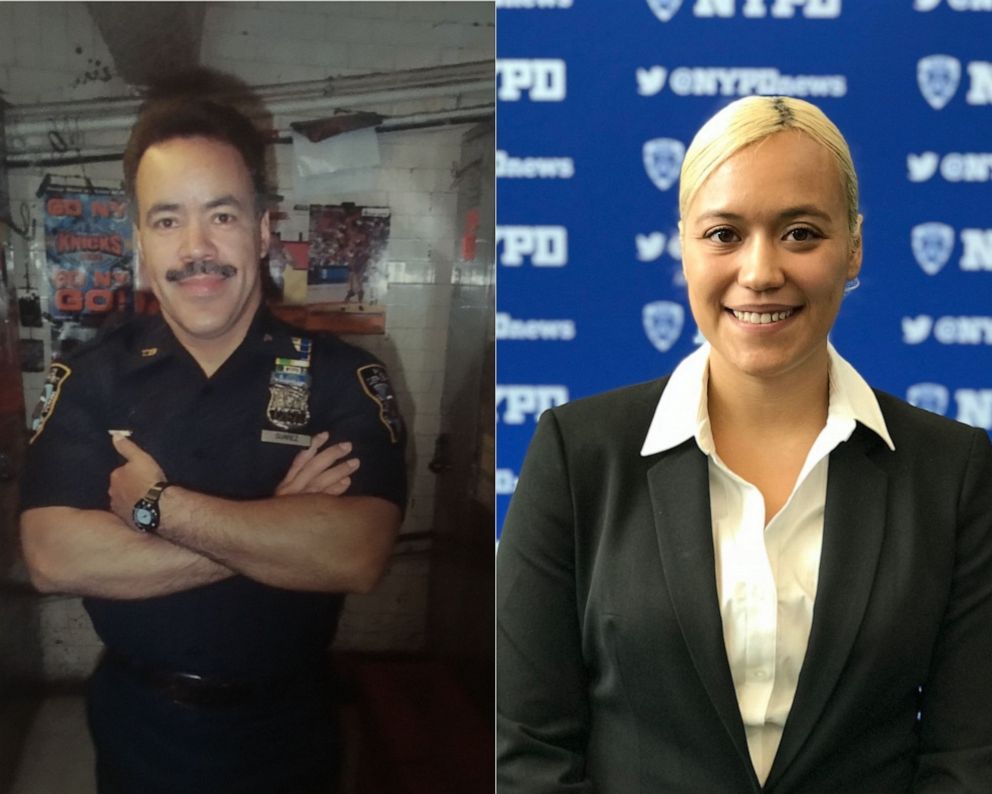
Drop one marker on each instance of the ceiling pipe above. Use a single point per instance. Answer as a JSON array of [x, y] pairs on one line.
[[28, 136], [434, 76], [108, 152]]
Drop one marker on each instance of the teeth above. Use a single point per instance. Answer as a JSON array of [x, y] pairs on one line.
[[761, 319]]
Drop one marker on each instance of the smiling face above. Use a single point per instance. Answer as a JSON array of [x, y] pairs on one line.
[[766, 250], [201, 239]]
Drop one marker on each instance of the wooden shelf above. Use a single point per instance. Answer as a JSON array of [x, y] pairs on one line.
[[333, 317]]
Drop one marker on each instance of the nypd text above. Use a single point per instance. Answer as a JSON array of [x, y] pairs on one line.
[[541, 79], [737, 81], [509, 167], [508, 327], [516, 403], [546, 246], [954, 5], [533, 3], [754, 9]]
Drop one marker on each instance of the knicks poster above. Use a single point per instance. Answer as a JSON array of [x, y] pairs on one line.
[[88, 253], [597, 104]]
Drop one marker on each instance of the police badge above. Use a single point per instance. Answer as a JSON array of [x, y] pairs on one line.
[[663, 321], [288, 407], [288, 410], [931, 397], [664, 9], [932, 246], [938, 77], [662, 161]]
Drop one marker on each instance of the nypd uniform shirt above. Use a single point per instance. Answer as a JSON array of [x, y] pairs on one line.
[[207, 435]]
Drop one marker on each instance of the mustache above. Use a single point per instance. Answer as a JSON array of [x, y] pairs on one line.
[[200, 267]]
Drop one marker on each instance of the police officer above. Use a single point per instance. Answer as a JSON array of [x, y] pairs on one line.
[[189, 476]]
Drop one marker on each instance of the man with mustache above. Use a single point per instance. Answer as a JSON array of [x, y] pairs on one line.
[[201, 267], [178, 479]]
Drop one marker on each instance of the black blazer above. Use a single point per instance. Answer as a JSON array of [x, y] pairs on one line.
[[612, 672]]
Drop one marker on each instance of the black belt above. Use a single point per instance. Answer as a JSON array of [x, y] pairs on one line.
[[194, 689]]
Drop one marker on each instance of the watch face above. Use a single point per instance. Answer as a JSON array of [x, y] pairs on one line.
[[145, 516]]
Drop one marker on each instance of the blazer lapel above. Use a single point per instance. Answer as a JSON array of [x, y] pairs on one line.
[[680, 496], [853, 529]]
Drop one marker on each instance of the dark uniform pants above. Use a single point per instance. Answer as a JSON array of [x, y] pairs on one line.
[[147, 744]]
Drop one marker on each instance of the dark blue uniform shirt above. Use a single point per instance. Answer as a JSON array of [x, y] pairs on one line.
[[206, 434]]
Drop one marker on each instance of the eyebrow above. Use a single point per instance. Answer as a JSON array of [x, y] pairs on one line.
[[161, 206], [785, 215], [224, 201], [228, 200]]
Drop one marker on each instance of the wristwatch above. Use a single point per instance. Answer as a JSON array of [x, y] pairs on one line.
[[146, 515]]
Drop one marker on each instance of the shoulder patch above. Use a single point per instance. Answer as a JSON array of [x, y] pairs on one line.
[[57, 375], [375, 383]]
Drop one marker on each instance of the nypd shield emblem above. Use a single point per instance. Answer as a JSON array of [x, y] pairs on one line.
[[375, 384], [932, 246], [938, 77], [663, 321], [662, 161], [931, 397], [664, 9], [289, 407], [57, 375]]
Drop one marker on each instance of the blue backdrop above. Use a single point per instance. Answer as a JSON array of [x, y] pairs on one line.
[[597, 100]]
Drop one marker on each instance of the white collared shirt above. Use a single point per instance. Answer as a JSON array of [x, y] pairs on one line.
[[766, 571]]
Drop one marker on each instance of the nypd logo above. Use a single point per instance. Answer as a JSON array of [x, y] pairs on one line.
[[754, 9], [664, 9], [947, 330], [931, 397], [545, 246], [540, 79], [663, 161], [508, 327], [933, 244], [953, 166], [663, 321], [509, 167], [651, 246], [973, 406], [939, 76], [506, 482], [517, 403], [954, 5], [736, 81]]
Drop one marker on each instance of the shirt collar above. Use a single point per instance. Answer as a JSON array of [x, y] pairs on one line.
[[682, 410], [155, 341]]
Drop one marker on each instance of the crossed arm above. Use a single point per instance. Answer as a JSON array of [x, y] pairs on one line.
[[325, 541]]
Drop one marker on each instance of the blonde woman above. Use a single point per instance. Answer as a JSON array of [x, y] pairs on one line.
[[756, 574]]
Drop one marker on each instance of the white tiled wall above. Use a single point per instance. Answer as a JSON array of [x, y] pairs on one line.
[[52, 52], [284, 42], [267, 43]]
